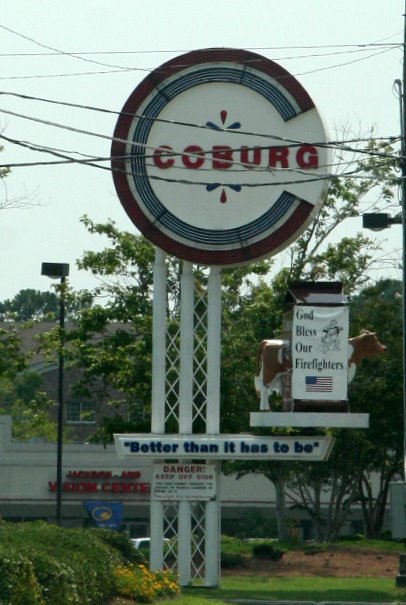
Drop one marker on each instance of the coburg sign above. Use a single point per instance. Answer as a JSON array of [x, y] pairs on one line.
[[220, 158]]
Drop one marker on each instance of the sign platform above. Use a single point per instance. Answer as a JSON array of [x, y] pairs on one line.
[[309, 420]]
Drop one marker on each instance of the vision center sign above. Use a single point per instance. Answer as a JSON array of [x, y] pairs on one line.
[[219, 157], [320, 353], [223, 447]]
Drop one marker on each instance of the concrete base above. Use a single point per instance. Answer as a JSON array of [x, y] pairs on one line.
[[309, 420]]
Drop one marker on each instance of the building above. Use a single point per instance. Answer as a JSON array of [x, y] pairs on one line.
[[94, 472]]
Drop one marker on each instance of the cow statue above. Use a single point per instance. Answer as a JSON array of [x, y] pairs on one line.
[[270, 364], [269, 370], [364, 345]]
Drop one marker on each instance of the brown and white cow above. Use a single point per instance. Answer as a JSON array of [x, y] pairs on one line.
[[270, 364], [364, 345], [269, 369]]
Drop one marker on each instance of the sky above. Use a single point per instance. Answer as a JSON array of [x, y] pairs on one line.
[[93, 53]]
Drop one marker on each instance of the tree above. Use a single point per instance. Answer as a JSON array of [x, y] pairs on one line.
[[252, 308], [20, 394], [29, 304], [25, 200], [315, 257], [377, 389]]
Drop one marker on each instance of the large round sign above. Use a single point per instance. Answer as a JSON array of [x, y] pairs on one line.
[[219, 157]]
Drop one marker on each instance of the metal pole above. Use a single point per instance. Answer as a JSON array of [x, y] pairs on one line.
[[159, 343], [60, 402], [158, 396], [403, 198]]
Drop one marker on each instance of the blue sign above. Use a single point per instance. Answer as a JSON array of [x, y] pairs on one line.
[[107, 515]]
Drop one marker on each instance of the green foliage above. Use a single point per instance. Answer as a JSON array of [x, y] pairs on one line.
[[18, 584], [266, 550], [49, 565], [29, 304], [121, 543], [12, 359], [28, 406], [136, 582], [20, 393], [231, 560], [252, 525]]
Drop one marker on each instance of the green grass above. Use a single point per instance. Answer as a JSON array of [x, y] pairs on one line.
[[376, 590]]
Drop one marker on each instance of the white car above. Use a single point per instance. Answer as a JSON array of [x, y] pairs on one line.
[[145, 542], [140, 542]]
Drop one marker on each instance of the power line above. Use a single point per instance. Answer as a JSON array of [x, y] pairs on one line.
[[339, 145], [354, 174], [351, 49], [123, 69]]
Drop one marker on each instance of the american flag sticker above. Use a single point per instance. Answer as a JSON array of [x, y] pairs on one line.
[[319, 384]]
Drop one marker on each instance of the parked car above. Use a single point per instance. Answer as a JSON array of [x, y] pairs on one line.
[[140, 542]]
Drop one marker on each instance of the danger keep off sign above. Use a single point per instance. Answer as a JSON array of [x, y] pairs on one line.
[[184, 481]]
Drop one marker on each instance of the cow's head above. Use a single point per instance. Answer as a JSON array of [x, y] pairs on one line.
[[370, 344]]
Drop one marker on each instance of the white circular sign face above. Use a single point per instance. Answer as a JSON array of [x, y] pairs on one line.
[[220, 157]]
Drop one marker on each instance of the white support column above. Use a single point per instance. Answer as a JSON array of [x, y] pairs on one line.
[[186, 412], [212, 537], [158, 397], [213, 351], [156, 554], [186, 349], [212, 517], [159, 343], [184, 543]]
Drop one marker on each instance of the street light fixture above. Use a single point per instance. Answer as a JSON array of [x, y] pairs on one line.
[[377, 221], [59, 271]]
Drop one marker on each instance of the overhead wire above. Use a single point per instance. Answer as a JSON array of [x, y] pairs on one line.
[[76, 56], [338, 145], [157, 70], [92, 162], [120, 68]]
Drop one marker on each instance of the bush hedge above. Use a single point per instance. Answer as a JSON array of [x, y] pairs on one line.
[[231, 560], [265, 550], [42, 564]]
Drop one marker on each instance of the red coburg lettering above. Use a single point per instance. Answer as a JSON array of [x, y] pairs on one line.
[[222, 157]]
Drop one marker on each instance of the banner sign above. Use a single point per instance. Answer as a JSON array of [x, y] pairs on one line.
[[320, 353], [184, 481], [223, 447], [107, 515], [219, 157]]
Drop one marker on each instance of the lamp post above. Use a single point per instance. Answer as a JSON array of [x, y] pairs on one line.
[[59, 271]]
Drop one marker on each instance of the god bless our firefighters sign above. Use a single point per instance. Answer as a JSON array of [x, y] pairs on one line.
[[320, 353], [219, 157]]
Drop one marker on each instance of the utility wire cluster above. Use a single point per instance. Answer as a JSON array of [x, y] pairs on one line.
[[353, 146]]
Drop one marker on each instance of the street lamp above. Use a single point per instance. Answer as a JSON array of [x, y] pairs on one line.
[[59, 271], [377, 221]]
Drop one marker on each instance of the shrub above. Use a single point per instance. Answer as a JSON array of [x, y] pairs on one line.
[[265, 550], [18, 584], [136, 582], [56, 579], [49, 564], [231, 560], [313, 549], [121, 543]]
